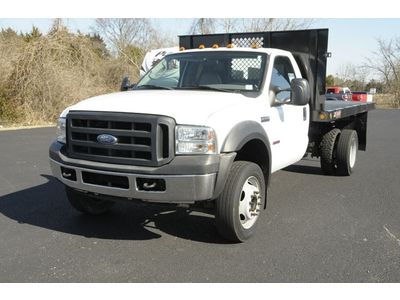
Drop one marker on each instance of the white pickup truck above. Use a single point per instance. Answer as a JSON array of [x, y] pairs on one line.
[[210, 124]]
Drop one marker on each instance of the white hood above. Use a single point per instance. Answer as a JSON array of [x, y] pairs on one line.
[[186, 107]]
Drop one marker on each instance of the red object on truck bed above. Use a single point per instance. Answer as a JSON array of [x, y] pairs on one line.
[[338, 93], [359, 96]]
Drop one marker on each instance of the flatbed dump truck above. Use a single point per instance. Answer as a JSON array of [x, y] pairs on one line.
[[210, 124]]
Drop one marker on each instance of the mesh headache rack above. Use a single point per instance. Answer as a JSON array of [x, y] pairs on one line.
[[309, 48]]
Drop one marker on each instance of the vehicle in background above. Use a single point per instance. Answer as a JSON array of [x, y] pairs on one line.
[[362, 96], [151, 58], [338, 93], [154, 56]]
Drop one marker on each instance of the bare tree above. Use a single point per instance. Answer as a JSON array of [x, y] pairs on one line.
[[228, 24], [130, 38], [57, 26], [346, 73], [120, 33], [386, 62], [203, 26], [352, 76], [362, 75], [257, 24], [273, 24]]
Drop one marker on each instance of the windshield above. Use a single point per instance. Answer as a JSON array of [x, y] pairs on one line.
[[227, 71]]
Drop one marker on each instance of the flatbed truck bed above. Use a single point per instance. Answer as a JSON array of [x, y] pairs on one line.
[[336, 110]]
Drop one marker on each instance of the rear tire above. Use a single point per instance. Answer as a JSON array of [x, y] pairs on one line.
[[328, 151], [346, 152], [86, 204], [241, 201]]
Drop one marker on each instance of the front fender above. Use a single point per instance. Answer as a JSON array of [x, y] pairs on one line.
[[243, 133]]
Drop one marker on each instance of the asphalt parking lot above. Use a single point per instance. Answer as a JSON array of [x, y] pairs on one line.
[[316, 228]]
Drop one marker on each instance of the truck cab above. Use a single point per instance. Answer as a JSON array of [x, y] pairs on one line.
[[261, 80], [209, 124]]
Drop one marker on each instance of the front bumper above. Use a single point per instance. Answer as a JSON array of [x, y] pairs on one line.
[[186, 179]]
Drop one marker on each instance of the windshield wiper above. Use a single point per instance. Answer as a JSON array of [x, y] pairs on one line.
[[153, 87], [207, 87]]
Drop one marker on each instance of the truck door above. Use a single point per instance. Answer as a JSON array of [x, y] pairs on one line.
[[289, 123]]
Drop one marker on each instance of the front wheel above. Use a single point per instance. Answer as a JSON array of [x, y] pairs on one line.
[[239, 205]]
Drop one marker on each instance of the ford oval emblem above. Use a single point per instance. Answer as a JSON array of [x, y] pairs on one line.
[[107, 139]]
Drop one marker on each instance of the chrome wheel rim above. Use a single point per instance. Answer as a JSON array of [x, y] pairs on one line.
[[353, 154], [249, 202]]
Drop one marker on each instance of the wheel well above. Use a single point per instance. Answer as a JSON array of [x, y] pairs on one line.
[[256, 151]]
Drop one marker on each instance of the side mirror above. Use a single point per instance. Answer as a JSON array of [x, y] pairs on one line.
[[126, 84], [276, 90], [300, 91]]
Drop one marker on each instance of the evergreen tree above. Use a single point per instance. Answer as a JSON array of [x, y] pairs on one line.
[[33, 35]]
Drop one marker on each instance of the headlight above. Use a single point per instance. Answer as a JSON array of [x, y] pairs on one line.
[[61, 135], [195, 140]]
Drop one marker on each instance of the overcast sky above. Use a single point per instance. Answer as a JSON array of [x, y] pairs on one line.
[[350, 40]]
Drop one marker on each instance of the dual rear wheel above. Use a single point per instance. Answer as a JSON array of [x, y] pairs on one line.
[[338, 151]]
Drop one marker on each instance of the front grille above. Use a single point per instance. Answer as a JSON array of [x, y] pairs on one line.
[[143, 140]]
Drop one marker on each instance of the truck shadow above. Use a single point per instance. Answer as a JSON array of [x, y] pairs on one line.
[[306, 165], [303, 169], [46, 206]]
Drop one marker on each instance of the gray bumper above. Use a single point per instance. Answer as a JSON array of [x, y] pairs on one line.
[[187, 179]]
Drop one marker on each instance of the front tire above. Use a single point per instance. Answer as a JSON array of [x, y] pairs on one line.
[[86, 204], [240, 203]]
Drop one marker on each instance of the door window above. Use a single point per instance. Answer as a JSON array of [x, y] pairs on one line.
[[282, 75]]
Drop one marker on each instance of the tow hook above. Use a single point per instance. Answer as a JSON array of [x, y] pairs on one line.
[[149, 186]]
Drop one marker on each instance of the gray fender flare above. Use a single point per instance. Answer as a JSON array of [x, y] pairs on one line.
[[239, 135], [243, 133]]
